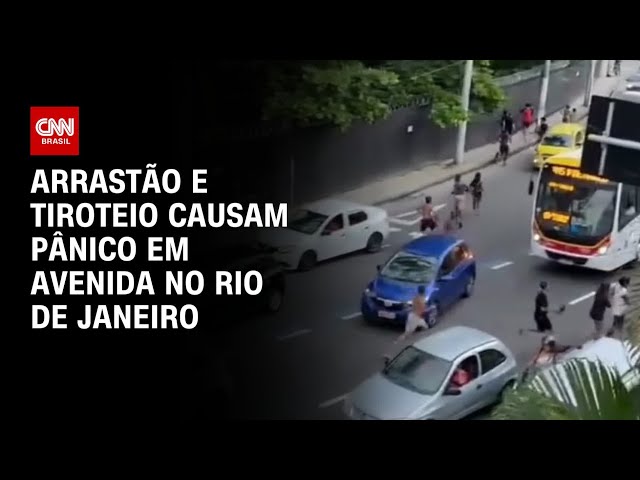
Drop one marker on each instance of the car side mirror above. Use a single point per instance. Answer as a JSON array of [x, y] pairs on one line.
[[452, 392]]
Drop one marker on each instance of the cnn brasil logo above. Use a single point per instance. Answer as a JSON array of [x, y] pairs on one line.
[[55, 131]]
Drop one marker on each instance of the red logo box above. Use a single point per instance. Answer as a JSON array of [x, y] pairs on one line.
[[55, 131]]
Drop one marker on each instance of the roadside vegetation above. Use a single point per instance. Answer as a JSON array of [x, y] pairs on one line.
[[606, 399]]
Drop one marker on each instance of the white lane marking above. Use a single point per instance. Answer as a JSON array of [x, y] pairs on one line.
[[332, 401], [294, 334], [407, 214], [350, 316], [439, 207], [582, 298], [406, 223], [501, 265], [395, 229], [415, 234], [386, 245]]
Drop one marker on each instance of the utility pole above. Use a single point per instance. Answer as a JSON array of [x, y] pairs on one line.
[[544, 89], [466, 93], [589, 87]]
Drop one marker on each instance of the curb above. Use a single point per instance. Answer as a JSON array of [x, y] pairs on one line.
[[471, 168]]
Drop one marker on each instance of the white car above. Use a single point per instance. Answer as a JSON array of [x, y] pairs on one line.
[[327, 229]]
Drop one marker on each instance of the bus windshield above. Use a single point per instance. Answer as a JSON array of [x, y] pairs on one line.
[[574, 206]]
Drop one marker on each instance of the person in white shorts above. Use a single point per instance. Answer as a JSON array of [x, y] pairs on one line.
[[415, 320], [619, 305]]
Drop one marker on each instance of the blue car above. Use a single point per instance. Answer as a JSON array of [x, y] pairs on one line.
[[443, 264]]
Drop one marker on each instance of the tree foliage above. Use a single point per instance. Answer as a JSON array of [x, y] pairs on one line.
[[342, 92], [583, 390]]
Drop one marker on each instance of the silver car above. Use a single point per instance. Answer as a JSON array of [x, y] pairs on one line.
[[419, 383]]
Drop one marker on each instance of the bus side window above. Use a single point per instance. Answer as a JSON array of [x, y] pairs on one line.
[[628, 205]]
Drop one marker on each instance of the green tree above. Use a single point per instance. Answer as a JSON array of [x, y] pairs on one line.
[[605, 398], [586, 390], [341, 92]]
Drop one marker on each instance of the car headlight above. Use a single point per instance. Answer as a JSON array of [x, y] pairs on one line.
[[602, 250], [536, 237], [369, 293]]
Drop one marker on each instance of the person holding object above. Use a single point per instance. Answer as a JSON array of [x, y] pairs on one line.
[[541, 311], [566, 114], [600, 304]]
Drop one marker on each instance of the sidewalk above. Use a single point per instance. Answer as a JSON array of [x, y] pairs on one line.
[[399, 186]]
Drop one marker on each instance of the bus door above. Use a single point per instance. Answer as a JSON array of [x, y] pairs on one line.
[[629, 222]]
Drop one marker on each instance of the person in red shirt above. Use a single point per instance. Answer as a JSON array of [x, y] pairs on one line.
[[460, 377], [527, 118]]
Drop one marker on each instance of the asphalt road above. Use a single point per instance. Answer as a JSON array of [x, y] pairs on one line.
[[300, 363]]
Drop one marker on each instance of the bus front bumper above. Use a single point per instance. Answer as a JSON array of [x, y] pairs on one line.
[[595, 262]]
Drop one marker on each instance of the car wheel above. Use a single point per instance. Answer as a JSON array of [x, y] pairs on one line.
[[374, 244], [433, 316], [307, 261], [468, 288], [274, 299]]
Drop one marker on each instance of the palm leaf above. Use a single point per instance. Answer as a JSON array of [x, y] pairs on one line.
[[575, 390]]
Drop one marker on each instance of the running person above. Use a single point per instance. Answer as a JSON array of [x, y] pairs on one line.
[[458, 192], [542, 129], [429, 217], [527, 118], [541, 311], [415, 319], [476, 191], [504, 141]]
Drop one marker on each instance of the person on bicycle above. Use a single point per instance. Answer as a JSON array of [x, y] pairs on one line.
[[476, 191], [458, 192], [504, 140]]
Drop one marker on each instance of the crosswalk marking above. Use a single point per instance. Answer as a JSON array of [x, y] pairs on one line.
[[395, 229]]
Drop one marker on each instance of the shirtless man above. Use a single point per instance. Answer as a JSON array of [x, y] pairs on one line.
[[415, 319], [429, 218]]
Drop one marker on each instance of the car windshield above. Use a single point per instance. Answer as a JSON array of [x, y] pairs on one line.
[[408, 267], [306, 221], [418, 371], [575, 204], [554, 140]]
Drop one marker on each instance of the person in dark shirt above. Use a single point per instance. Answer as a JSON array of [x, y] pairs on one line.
[[506, 123], [541, 312], [600, 304], [476, 191], [542, 129], [504, 140]]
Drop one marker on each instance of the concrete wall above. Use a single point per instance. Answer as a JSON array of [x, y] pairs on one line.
[[325, 161]]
